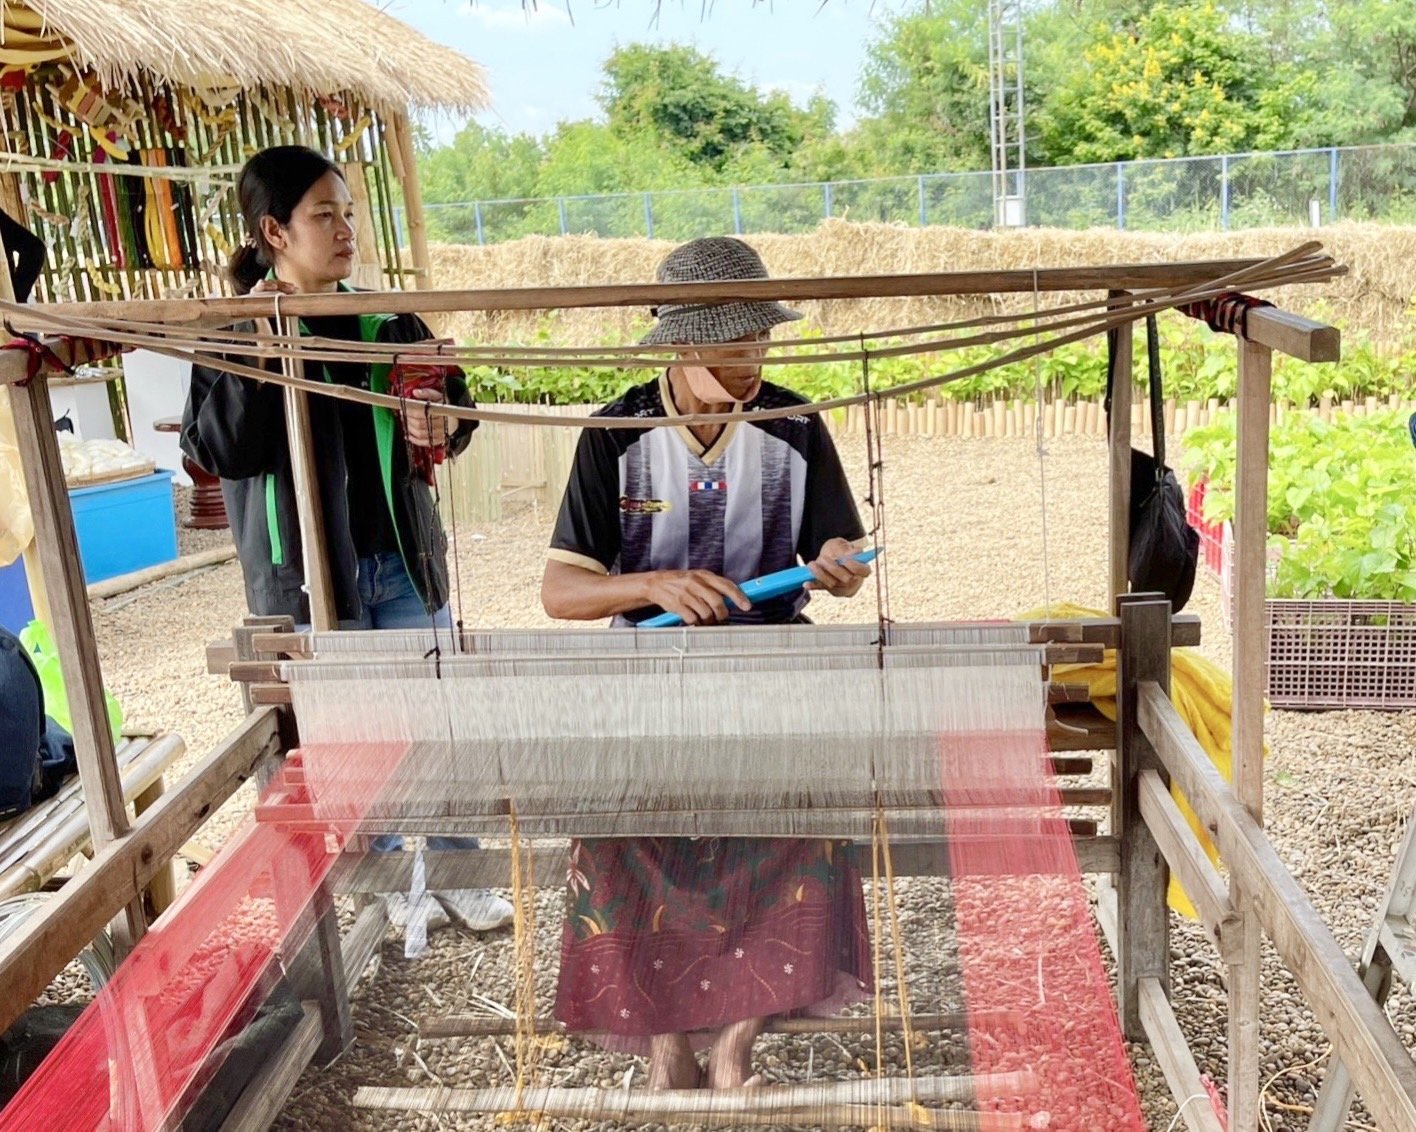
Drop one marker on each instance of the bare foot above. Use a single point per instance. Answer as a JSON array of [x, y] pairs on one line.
[[730, 1063], [671, 1063]]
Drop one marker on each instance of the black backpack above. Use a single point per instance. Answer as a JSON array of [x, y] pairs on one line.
[[36, 754]]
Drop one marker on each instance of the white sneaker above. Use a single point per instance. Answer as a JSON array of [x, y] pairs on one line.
[[477, 909], [400, 910]]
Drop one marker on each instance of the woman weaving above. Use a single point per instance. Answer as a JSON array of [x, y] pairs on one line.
[[673, 945]]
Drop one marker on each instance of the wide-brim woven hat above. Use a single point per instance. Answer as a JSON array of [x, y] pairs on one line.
[[713, 259]]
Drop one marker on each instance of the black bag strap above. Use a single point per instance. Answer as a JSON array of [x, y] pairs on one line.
[[1157, 394]]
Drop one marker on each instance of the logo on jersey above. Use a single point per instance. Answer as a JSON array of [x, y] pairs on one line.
[[707, 485], [644, 506]]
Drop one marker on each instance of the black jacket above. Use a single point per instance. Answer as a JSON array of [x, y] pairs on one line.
[[234, 427]]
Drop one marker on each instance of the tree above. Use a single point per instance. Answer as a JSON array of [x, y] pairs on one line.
[[925, 88], [678, 97], [1182, 83], [481, 164]]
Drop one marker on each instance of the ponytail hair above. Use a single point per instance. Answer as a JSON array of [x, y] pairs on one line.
[[271, 184]]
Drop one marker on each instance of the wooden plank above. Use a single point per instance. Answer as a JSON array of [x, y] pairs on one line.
[[1292, 334], [111, 587], [1079, 727], [1175, 1059], [254, 671], [282, 644], [401, 147], [1360, 1033], [71, 625], [116, 876], [491, 868], [44, 847], [694, 1106], [241, 646], [1091, 634], [1187, 860], [308, 505], [1142, 918], [1119, 461], [219, 655], [162, 889], [218, 311], [364, 938], [261, 1101], [486, 1025], [1250, 574], [1250, 680], [269, 695]]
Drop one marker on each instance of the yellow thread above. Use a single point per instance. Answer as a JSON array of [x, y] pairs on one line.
[[903, 985]]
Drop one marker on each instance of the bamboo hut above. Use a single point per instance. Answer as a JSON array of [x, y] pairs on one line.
[[125, 122]]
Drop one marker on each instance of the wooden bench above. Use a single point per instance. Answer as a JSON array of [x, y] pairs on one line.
[[36, 844]]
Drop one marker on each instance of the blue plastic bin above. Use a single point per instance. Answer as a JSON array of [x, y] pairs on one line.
[[125, 526], [15, 609]]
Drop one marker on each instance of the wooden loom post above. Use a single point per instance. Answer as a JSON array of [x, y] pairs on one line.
[[71, 623], [1119, 464], [1142, 918], [308, 505], [1250, 679], [56, 580], [405, 159], [319, 970]]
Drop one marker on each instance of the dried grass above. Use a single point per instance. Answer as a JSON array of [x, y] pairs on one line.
[[1373, 297], [319, 46]]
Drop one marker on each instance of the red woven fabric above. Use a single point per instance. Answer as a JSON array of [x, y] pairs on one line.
[[1026, 939]]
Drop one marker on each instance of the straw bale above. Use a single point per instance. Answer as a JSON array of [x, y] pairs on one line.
[[1373, 297], [316, 46]]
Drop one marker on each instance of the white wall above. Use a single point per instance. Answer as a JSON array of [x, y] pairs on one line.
[[157, 388]]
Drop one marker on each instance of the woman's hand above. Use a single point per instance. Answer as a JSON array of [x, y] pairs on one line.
[[274, 286], [423, 428], [700, 597], [837, 572]]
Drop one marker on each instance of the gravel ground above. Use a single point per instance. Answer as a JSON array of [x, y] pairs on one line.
[[965, 536]]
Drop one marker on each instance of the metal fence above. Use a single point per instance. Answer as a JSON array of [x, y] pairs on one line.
[[1242, 190]]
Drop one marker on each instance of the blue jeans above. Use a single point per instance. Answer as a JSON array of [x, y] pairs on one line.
[[390, 602]]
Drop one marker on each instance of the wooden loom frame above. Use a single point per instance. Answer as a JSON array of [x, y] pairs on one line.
[[1153, 745]]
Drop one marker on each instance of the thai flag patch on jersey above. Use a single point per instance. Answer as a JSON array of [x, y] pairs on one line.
[[707, 485]]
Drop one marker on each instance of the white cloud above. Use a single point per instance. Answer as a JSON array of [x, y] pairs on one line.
[[509, 15]]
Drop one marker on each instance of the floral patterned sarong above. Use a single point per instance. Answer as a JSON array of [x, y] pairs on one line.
[[678, 935]]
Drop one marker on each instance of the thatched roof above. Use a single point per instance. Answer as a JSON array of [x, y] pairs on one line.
[[319, 46]]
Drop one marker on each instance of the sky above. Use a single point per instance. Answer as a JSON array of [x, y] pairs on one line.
[[544, 69]]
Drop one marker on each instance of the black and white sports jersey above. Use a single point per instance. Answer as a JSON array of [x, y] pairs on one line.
[[761, 498]]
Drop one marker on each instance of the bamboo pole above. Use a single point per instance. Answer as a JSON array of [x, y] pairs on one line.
[[475, 1025], [308, 504], [1112, 276], [697, 1105]]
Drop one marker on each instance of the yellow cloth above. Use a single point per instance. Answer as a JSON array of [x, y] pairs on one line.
[[1203, 695], [16, 524]]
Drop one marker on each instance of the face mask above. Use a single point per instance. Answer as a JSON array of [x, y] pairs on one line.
[[705, 386]]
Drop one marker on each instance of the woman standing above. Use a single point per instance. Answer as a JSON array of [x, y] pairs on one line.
[[386, 546]]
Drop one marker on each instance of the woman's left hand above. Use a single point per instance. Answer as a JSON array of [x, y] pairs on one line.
[[837, 572], [423, 428]]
